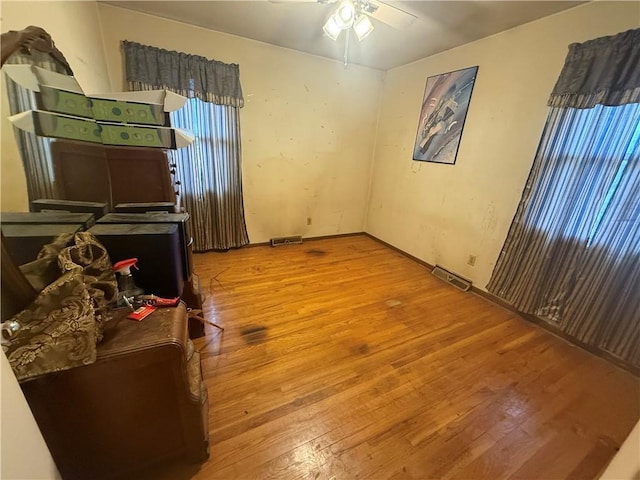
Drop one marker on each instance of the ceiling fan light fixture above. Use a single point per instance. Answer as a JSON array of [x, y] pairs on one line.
[[362, 27], [345, 14], [331, 28]]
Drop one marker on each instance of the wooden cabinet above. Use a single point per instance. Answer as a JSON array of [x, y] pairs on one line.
[[113, 175], [141, 402]]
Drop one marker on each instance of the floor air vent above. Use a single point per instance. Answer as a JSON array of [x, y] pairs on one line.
[[452, 278], [276, 242]]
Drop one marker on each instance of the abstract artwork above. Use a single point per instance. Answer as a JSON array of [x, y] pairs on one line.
[[444, 109]]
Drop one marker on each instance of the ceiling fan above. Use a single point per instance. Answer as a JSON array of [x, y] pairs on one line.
[[349, 12], [355, 14]]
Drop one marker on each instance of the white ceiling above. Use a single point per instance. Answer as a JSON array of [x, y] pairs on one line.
[[440, 25]]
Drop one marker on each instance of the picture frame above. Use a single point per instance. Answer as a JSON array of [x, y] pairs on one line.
[[442, 117]]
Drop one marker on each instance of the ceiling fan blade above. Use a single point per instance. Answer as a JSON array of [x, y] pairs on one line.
[[385, 13]]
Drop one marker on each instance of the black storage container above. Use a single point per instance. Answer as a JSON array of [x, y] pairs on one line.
[[87, 220], [157, 248], [24, 241], [181, 220]]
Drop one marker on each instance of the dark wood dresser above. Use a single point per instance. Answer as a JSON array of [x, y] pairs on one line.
[[141, 402], [98, 173]]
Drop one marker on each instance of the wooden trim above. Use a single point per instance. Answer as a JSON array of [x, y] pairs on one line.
[[337, 235], [528, 317], [309, 239], [402, 252]]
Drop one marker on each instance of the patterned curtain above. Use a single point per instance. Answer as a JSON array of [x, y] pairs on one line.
[[209, 170], [35, 151], [572, 255]]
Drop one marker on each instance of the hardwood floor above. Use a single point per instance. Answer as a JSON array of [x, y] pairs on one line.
[[343, 359]]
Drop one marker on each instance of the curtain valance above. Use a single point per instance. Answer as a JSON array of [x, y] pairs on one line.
[[188, 75], [603, 71]]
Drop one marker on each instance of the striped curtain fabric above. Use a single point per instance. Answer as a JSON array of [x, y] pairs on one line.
[[572, 255], [35, 151], [210, 175]]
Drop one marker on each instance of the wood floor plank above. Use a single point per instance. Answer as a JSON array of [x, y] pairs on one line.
[[342, 359]]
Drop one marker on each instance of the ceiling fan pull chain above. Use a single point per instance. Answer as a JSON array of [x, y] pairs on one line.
[[346, 48]]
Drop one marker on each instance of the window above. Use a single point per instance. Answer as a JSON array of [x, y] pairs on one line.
[[209, 174], [572, 256]]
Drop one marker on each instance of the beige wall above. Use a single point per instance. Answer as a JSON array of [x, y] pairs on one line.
[[442, 213], [75, 29], [308, 124]]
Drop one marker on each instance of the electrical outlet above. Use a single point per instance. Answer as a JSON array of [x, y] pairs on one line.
[[472, 260], [308, 220]]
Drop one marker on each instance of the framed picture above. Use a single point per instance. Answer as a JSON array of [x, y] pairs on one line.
[[444, 110]]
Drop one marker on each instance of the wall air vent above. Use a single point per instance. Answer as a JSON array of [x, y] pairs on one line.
[[451, 278], [276, 242]]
